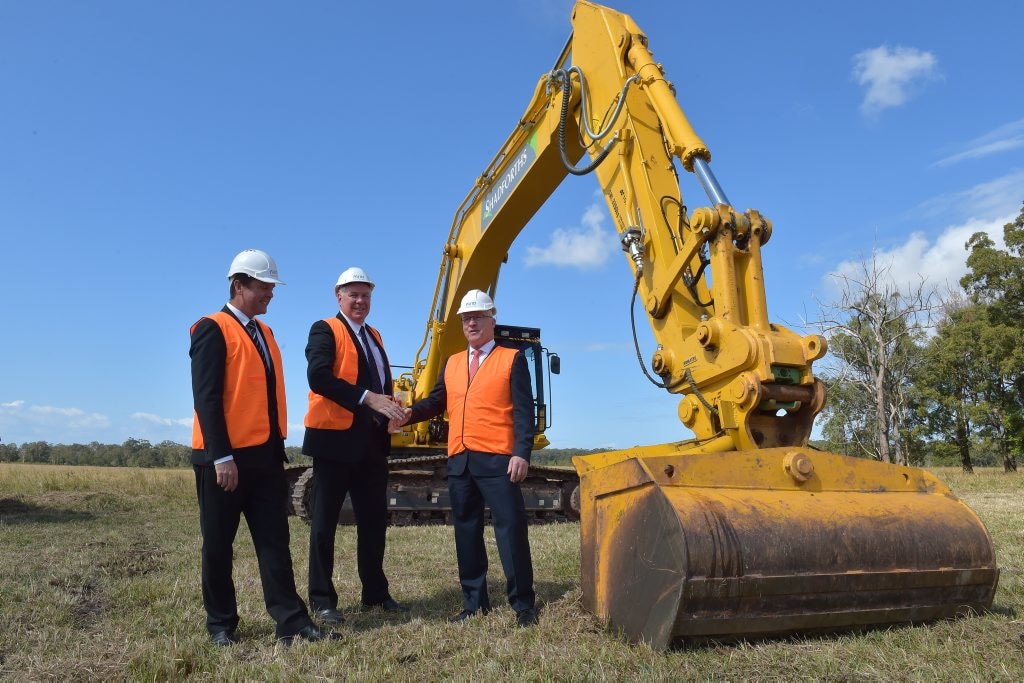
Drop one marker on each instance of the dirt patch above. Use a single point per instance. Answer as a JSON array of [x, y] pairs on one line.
[[137, 560], [88, 598]]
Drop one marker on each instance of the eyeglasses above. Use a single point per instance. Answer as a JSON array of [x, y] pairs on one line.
[[467, 318]]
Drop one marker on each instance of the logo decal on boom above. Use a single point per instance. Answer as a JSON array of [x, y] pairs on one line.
[[510, 177]]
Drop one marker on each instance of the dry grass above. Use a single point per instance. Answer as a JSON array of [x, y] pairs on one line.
[[99, 571]]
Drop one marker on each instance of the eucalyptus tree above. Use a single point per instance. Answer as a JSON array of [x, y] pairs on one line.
[[947, 380], [995, 284]]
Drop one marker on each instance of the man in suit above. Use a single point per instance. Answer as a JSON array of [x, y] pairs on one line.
[[238, 453], [350, 403], [487, 393]]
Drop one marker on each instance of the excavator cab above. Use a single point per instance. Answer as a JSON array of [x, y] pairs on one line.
[[538, 358]]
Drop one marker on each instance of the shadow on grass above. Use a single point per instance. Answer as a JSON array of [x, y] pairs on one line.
[[1002, 610], [826, 635], [447, 602], [14, 511]]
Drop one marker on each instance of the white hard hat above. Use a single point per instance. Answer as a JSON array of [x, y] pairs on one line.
[[476, 300], [256, 263], [350, 275]]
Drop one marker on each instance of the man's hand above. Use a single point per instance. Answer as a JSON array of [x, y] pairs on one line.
[[227, 475], [517, 468], [385, 405], [396, 422]]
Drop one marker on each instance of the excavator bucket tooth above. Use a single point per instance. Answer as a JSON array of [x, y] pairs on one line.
[[745, 544]]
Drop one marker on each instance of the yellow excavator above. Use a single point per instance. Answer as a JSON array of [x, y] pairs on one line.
[[744, 530]]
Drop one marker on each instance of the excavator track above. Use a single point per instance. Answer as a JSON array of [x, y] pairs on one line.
[[418, 493]]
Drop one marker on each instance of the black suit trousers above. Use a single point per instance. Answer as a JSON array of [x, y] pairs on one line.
[[366, 481], [476, 480], [262, 497]]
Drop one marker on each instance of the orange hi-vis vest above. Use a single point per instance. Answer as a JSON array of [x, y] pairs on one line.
[[480, 414], [246, 406], [323, 413]]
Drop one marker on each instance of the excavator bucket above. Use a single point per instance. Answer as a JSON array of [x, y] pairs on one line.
[[748, 544]]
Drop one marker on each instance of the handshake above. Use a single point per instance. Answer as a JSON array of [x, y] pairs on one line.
[[395, 423], [390, 407]]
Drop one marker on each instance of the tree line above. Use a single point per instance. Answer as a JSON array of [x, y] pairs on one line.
[[142, 453], [131, 453]]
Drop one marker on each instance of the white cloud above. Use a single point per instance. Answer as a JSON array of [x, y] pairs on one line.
[[892, 75], [941, 263], [984, 201], [1002, 139], [586, 247], [163, 421], [20, 422], [69, 418], [982, 150], [811, 258]]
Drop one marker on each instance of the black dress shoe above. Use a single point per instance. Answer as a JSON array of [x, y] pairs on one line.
[[329, 616], [526, 617], [388, 605], [466, 614], [223, 638], [310, 633]]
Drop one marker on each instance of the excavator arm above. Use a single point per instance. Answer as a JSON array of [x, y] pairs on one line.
[[743, 530], [747, 383]]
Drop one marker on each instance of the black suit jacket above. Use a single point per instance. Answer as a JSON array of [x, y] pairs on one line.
[[522, 420], [342, 445], [209, 358]]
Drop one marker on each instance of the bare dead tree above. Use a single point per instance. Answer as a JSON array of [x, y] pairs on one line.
[[873, 330]]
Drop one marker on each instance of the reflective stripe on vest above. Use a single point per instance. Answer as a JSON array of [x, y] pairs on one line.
[[246, 407], [323, 413], [480, 414]]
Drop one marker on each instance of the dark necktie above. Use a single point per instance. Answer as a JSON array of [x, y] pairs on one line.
[[251, 329], [375, 384], [474, 364]]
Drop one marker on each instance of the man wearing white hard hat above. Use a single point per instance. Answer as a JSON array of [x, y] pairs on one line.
[[238, 453], [350, 403], [487, 392]]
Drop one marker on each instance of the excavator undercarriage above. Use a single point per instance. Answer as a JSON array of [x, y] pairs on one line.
[[418, 493]]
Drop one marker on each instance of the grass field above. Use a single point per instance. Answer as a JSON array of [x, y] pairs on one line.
[[99, 580]]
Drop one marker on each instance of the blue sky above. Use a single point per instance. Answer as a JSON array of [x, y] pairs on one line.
[[143, 144]]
